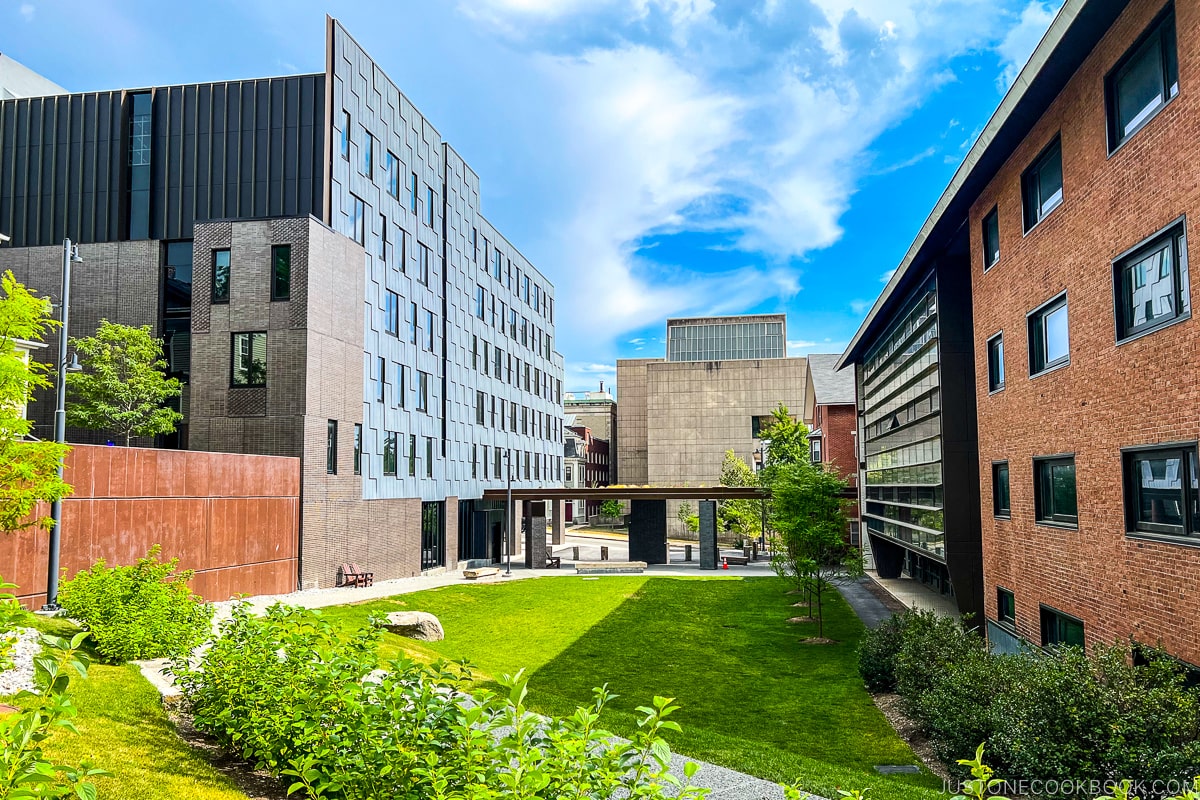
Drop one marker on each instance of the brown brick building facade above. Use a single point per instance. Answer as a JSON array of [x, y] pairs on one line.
[[1110, 395]]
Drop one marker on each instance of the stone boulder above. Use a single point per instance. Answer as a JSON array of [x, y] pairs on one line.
[[415, 625]]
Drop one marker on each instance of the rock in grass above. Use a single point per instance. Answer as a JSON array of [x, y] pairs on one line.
[[419, 625]]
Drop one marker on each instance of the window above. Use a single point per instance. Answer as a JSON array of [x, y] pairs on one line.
[[412, 322], [1006, 606], [423, 391], [485, 461], [429, 216], [220, 283], [1042, 185], [401, 386], [815, 449], [1151, 284], [479, 301], [479, 408], [383, 238], [249, 362], [331, 447], [991, 238], [358, 220], [389, 453], [498, 366], [1054, 491], [1048, 341], [995, 362], [493, 411], [346, 135], [368, 154], [486, 358], [433, 536], [423, 266], [1001, 499], [474, 461], [392, 167], [429, 331], [497, 264], [382, 380], [412, 456], [1144, 80], [391, 313], [1060, 629], [497, 464], [358, 449], [568, 473], [1161, 491], [281, 272], [429, 456]]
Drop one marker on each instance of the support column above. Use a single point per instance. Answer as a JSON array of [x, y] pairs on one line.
[[709, 553], [889, 557], [559, 529], [535, 534], [648, 531]]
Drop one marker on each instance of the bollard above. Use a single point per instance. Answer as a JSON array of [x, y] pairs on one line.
[[746, 552], [687, 552], [575, 553], [604, 552]]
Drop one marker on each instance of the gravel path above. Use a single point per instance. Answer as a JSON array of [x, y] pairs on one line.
[[20, 677]]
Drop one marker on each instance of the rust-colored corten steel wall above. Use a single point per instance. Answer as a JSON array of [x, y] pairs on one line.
[[234, 519]]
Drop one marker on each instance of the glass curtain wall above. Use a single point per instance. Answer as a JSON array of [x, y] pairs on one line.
[[901, 403]]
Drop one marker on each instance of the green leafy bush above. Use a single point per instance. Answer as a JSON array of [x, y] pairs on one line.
[[11, 613], [140, 611], [877, 652], [290, 695]]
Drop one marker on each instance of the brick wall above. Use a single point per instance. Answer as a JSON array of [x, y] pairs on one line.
[[232, 518], [1141, 392], [837, 424]]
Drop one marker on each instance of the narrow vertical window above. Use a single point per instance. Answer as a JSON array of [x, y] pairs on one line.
[[412, 322], [389, 453], [1001, 498], [1049, 344], [281, 272], [412, 193], [368, 154], [995, 362], [391, 313], [393, 175], [346, 135], [429, 213], [383, 239], [358, 442], [331, 447], [1042, 185], [429, 336], [382, 380], [220, 284], [429, 456], [991, 238], [1006, 606], [412, 456]]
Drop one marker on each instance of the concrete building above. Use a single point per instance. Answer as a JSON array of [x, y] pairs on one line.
[[722, 378], [596, 411], [833, 437], [1047, 298], [315, 257]]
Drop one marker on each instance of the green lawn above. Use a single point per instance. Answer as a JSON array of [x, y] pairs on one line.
[[753, 697], [124, 729]]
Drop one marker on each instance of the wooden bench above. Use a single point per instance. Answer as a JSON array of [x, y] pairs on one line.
[[739, 561], [479, 573], [553, 562], [351, 575]]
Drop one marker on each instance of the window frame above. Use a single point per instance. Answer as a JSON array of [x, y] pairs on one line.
[[1175, 237], [233, 338], [992, 217], [367, 165], [215, 298], [1045, 464], [1187, 533], [1044, 611], [1163, 22], [1038, 316], [331, 433], [999, 512], [1011, 619], [995, 386], [392, 438], [358, 447], [276, 295], [1032, 172]]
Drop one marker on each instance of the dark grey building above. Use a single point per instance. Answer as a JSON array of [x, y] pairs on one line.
[[314, 256]]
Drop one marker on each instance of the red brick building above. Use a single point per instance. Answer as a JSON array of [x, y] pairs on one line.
[[830, 395], [1063, 240]]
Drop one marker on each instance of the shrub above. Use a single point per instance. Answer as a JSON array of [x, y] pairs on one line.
[[931, 645], [290, 695], [141, 611], [877, 652]]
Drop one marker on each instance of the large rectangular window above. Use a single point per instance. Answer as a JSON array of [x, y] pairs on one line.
[[1151, 284], [1143, 81], [1054, 490], [389, 453], [249, 359], [1006, 606], [991, 238], [1042, 185], [995, 362], [433, 536], [1162, 491], [331, 447], [1001, 497], [358, 446], [391, 313], [220, 283], [281, 272], [1060, 629], [1049, 342]]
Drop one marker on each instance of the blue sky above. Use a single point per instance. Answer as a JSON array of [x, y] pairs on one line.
[[654, 158]]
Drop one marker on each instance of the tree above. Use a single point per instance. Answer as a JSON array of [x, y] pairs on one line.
[[690, 520], [611, 509], [122, 387], [743, 518], [785, 443], [28, 469], [807, 511]]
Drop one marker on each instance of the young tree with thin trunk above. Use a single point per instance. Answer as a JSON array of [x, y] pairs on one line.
[[28, 468], [123, 387]]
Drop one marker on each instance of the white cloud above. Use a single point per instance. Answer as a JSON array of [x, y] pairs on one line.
[[27, 11], [799, 344], [1022, 39], [887, 276], [860, 307]]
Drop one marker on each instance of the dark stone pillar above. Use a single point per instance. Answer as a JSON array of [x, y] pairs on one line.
[[648, 531], [709, 553], [889, 557], [535, 534]]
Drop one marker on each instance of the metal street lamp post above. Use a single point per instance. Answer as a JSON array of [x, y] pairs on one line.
[[508, 514], [70, 256], [762, 464]]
